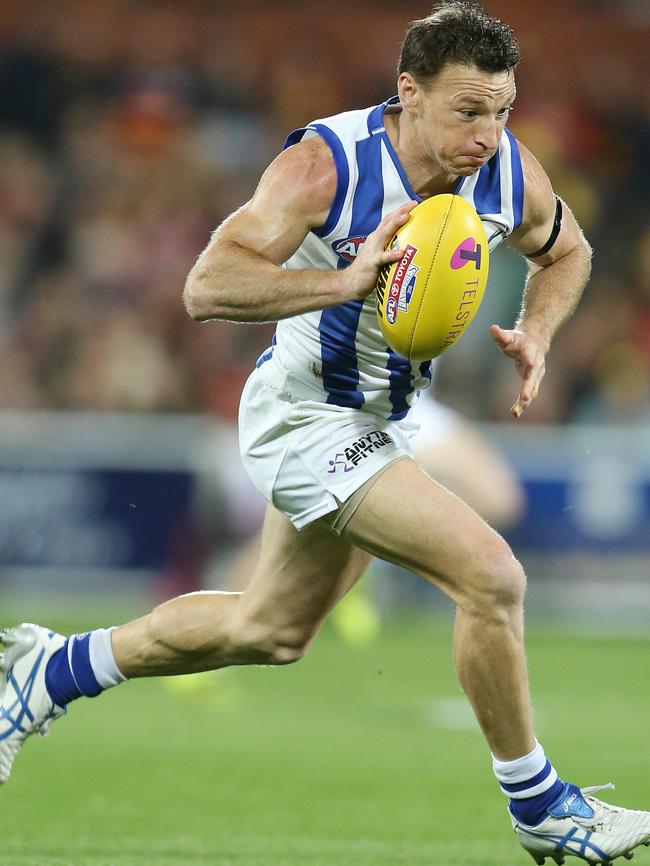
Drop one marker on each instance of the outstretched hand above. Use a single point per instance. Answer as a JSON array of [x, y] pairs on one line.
[[528, 356]]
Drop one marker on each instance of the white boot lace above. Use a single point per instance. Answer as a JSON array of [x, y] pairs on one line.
[[605, 815]]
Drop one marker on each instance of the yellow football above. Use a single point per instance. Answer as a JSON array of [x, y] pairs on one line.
[[427, 299]]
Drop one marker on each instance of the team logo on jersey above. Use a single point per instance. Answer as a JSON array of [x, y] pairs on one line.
[[402, 285], [349, 248], [467, 251]]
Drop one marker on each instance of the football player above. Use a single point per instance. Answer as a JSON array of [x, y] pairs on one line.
[[324, 426]]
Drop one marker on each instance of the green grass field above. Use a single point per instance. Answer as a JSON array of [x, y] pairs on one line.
[[357, 755]]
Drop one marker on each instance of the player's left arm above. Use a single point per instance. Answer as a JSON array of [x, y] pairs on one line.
[[559, 262]]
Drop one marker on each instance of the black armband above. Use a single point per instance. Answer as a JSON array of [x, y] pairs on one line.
[[555, 231]]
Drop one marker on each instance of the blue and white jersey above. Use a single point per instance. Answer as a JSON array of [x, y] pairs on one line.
[[338, 354]]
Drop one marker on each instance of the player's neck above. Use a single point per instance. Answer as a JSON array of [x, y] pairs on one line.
[[425, 175]]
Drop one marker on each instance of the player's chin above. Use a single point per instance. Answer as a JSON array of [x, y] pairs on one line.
[[464, 169], [468, 165]]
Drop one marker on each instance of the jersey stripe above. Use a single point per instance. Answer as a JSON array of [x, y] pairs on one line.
[[401, 387], [376, 117], [400, 373], [338, 328], [338, 325], [398, 165], [426, 370], [342, 170], [369, 195], [517, 181], [487, 192]]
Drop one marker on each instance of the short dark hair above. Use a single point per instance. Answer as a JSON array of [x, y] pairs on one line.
[[457, 31]]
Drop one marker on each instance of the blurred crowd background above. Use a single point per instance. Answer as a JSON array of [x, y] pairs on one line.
[[129, 130]]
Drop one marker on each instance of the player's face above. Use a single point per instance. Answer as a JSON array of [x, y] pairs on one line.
[[459, 116]]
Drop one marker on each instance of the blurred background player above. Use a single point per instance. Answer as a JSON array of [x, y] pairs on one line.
[[458, 455]]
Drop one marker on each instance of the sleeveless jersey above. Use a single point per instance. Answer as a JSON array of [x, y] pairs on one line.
[[338, 355]]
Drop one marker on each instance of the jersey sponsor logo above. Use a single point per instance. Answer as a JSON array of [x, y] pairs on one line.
[[468, 250], [359, 450], [349, 248], [401, 286]]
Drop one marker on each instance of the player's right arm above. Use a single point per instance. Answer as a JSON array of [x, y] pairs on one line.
[[239, 277]]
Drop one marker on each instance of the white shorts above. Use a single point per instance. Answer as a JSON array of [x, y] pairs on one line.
[[305, 456]]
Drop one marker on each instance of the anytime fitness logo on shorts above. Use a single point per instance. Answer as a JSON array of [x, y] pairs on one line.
[[402, 285], [353, 454]]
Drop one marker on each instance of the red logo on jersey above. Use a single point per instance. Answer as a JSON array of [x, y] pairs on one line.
[[349, 248]]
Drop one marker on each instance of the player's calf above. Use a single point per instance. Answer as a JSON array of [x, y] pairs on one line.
[[206, 631]]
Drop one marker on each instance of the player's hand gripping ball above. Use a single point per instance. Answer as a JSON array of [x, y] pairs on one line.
[[427, 299]]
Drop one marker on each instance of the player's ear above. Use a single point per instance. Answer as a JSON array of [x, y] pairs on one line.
[[408, 90]]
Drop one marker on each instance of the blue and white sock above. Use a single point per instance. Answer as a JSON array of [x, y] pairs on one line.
[[85, 665], [531, 783]]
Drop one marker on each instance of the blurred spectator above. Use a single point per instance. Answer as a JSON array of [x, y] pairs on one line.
[[130, 130]]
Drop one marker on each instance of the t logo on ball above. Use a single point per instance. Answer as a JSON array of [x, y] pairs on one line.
[[467, 251]]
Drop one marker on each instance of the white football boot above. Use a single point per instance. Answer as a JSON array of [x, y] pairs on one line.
[[579, 825], [25, 706]]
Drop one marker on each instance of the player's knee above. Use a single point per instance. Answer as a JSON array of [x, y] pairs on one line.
[[512, 583], [272, 646], [508, 581], [286, 652], [500, 582], [286, 646]]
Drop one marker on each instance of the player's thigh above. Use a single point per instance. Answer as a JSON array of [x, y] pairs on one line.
[[410, 519], [299, 575]]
